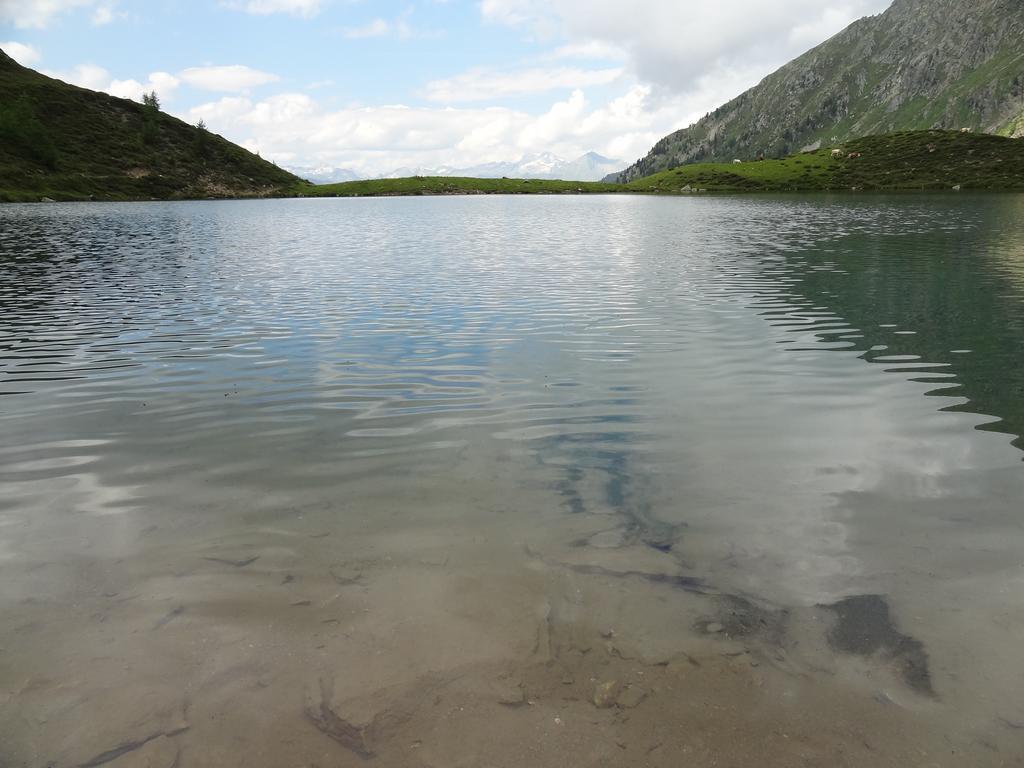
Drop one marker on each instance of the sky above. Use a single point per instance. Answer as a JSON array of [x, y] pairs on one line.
[[375, 85]]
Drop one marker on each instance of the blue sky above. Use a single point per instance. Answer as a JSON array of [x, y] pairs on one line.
[[373, 85]]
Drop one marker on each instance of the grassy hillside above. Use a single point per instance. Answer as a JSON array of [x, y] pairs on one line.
[[69, 143], [912, 160], [923, 64]]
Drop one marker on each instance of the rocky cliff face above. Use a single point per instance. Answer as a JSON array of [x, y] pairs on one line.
[[921, 64]]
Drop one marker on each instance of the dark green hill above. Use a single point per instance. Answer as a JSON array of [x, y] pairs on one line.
[[69, 143], [923, 64]]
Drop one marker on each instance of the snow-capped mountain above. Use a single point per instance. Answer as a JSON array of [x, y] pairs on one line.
[[588, 167], [325, 174]]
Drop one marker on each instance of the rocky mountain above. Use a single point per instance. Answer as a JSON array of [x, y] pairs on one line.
[[62, 142], [588, 167], [921, 64]]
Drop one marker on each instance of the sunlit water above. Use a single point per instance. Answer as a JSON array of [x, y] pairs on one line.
[[566, 481]]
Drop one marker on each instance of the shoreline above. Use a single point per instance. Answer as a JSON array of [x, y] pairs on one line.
[[507, 193]]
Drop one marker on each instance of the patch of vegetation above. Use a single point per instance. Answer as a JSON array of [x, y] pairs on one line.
[[909, 160], [23, 132], [69, 143]]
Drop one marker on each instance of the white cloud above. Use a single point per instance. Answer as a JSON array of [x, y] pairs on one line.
[[401, 28], [294, 129], [814, 30], [24, 54], [228, 79], [511, 12], [98, 79], [164, 83], [671, 43], [36, 13], [375, 28], [686, 58], [40, 13], [592, 49], [232, 78], [103, 15], [482, 84], [85, 75], [307, 8]]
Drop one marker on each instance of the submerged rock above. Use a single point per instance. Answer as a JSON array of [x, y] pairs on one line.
[[865, 627], [606, 694], [510, 693]]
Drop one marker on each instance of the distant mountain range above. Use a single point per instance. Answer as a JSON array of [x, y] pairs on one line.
[[588, 167], [922, 64], [324, 174]]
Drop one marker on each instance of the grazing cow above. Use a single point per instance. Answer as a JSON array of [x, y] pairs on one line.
[[737, 162], [853, 155], [965, 130], [837, 153]]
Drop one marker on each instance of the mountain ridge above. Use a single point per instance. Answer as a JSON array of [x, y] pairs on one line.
[[921, 64]]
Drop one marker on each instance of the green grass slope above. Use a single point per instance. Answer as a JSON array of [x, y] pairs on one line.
[[910, 160], [69, 143]]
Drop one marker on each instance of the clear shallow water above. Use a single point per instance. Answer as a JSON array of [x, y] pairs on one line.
[[744, 470]]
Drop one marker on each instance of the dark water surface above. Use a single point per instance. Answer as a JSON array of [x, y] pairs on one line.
[[588, 481]]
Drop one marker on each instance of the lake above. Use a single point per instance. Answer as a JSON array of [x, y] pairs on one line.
[[513, 481]]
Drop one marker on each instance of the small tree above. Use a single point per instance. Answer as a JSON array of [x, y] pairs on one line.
[[150, 108], [201, 142]]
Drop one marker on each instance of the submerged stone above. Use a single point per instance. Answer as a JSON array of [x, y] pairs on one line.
[[606, 694], [865, 628]]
